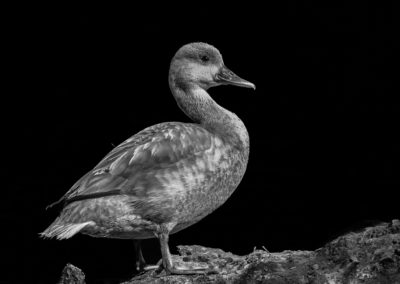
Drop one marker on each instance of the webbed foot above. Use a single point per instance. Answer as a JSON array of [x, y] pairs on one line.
[[172, 268]]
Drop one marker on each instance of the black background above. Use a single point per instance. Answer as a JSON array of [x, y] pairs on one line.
[[323, 124]]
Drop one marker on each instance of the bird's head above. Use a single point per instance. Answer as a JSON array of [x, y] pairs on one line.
[[200, 64]]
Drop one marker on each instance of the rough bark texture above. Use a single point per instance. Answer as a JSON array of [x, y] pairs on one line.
[[369, 256]]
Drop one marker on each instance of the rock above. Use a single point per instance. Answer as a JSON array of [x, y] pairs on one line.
[[369, 256], [72, 275]]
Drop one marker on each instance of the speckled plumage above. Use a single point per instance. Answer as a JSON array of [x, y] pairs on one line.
[[169, 175]]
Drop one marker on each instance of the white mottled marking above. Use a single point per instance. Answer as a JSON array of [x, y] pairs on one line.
[[114, 164], [100, 171], [144, 146], [218, 142], [170, 134], [217, 155], [137, 151], [154, 149], [200, 163], [224, 165]]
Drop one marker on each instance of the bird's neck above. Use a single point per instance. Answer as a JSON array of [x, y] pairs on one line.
[[198, 105]]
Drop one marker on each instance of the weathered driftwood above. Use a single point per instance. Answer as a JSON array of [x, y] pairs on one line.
[[368, 256]]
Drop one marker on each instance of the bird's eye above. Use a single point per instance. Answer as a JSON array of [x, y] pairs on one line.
[[204, 58]]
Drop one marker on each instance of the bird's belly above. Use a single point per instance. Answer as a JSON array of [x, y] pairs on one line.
[[210, 192], [113, 218], [128, 233]]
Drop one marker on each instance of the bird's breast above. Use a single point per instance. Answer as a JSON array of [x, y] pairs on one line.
[[203, 182]]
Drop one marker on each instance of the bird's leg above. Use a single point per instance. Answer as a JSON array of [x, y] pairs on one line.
[[139, 261], [168, 263]]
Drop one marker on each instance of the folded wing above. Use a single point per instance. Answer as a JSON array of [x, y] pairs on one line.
[[130, 168]]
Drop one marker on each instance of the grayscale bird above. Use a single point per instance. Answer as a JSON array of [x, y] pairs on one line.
[[170, 175]]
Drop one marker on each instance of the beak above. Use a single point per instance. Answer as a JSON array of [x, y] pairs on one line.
[[227, 77]]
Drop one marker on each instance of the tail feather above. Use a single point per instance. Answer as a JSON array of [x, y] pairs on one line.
[[64, 231]]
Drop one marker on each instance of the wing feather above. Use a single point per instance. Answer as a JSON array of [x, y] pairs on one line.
[[130, 167]]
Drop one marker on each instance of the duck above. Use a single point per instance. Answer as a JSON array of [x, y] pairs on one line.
[[168, 176]]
